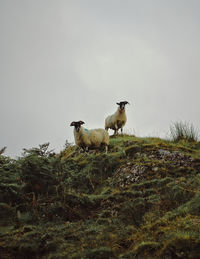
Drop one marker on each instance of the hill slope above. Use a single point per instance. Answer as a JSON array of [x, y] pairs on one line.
[[141, 200]]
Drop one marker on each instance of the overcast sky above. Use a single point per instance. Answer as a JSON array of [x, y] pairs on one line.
[[68, 60]]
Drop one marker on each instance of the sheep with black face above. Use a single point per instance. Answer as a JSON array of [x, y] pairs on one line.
[[117, 120], [85, 138]]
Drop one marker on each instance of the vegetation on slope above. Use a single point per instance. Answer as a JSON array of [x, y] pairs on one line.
[[141, 200]]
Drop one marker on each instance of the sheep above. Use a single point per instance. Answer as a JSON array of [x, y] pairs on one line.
[[118, 119], [85, 138]]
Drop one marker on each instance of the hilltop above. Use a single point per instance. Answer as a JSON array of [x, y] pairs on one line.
[[141, 200]]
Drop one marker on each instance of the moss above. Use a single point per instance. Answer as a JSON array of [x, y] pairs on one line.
[[182, 245], [146, 248], [99, 253]]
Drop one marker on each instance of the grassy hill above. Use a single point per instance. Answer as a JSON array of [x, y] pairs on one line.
[[141, 200]]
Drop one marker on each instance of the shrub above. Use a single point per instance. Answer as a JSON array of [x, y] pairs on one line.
[[38, 170], [183, 131]]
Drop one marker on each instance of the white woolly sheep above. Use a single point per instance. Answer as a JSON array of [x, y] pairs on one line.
[[85, 138], [118, 119]]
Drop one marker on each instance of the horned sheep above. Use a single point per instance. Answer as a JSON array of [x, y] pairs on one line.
[[117, 120], [85, 138]]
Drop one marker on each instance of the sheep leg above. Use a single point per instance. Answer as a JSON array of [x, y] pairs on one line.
[[116, 130], [83, 149], [106, 149], [80, 150]]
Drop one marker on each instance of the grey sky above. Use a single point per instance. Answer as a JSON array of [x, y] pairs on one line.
[[68, 60]]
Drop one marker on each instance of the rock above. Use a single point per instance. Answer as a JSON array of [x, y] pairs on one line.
[[164, 152]]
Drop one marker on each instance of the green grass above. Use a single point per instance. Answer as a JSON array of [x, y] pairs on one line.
[[141, 200]]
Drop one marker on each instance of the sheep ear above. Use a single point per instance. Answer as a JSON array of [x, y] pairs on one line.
[[118, 103], [81, 122], [127, 103], [73, 123]]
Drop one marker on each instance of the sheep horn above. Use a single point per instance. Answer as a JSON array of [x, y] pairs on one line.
[[81, 122], [73, 123]]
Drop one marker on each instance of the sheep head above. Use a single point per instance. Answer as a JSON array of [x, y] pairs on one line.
[[77, 125], [122, 105]]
